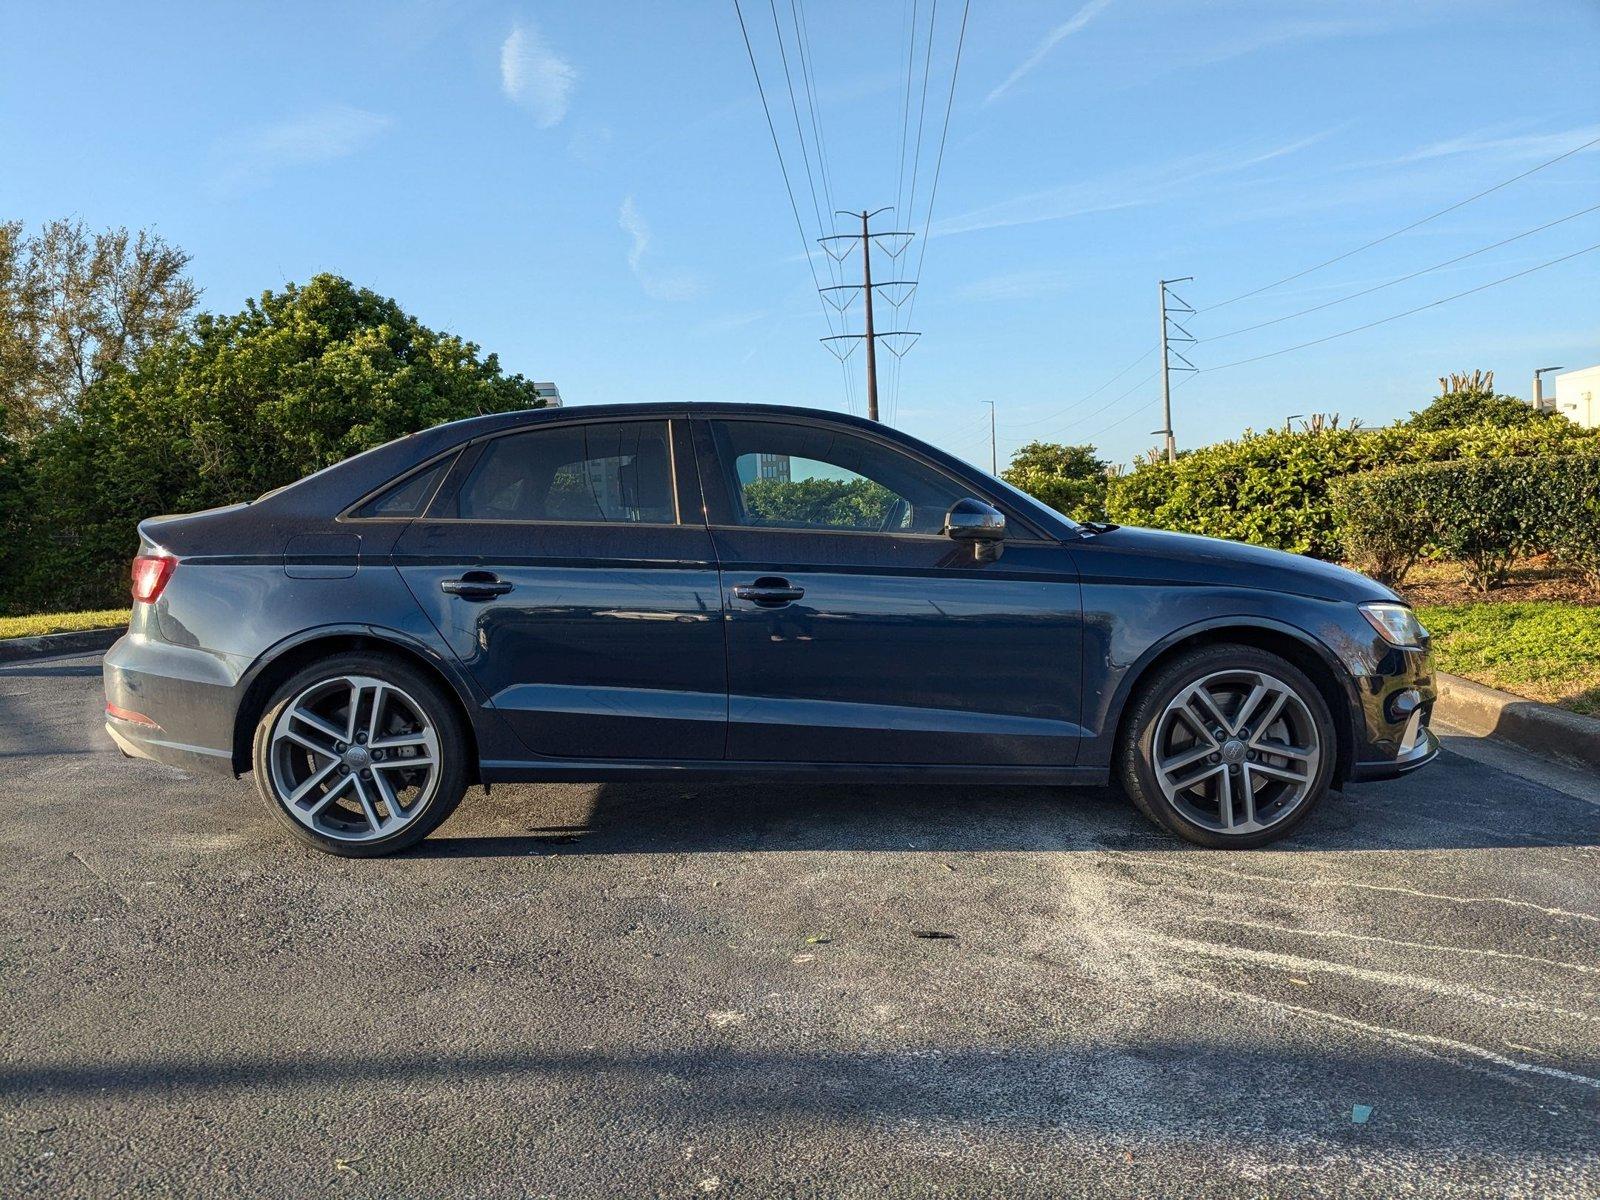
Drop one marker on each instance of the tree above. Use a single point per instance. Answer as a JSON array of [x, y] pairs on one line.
[[824, 503], [232, 407], [75, 306], [1070, 479], [1471, 400]]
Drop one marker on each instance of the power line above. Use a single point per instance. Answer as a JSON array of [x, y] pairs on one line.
[[1407, 229], [777, 149], [1409, 312], [1084, 399], [1449, 262]]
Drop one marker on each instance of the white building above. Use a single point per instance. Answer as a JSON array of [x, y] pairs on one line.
[[1578, 396], [548, 392]]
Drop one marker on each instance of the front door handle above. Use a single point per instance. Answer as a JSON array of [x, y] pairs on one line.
[[475, 585], [768, 592]]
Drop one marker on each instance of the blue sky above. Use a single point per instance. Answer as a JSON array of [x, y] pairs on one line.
[[590, 190]]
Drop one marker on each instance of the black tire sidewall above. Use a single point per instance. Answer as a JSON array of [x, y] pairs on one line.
[[1135, 754], [438, 708]]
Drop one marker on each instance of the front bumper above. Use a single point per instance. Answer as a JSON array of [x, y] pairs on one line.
[[1393, 738]]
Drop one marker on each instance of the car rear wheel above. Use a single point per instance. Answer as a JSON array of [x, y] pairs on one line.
[[1228, 746], [360, 755]]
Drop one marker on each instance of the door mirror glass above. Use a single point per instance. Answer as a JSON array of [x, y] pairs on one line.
[[979, 524]]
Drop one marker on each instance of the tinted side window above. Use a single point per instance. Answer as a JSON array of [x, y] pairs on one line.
[[410, 496], [615, 471], [806, 477]]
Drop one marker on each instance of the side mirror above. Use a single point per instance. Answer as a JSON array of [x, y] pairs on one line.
[[978, 524]]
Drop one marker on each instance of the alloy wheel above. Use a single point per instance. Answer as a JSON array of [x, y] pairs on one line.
[[1236, 752], [354, 758]]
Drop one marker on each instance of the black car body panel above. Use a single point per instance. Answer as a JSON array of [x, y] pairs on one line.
[[625, 649]]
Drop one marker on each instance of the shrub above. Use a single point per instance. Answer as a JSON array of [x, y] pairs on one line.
[[1483, 513], [1466, 400], [1274, 488]]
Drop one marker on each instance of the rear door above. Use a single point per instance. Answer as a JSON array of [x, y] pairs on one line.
[[858, 632], [563, 570]]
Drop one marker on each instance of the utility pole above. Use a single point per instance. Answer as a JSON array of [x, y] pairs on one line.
[[841, 296], [1538, 387], [872, 338], [1166, 354], [994, 458]]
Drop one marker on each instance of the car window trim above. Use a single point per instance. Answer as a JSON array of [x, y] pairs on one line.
[[728, 477], [350, 511], [472, 451]]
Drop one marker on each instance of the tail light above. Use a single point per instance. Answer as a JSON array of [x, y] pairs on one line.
[[150, 575]]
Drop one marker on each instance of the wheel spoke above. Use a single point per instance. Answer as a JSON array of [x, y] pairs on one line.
[[1257, 694], [290, 735], [1225, 799], [1277, 773], [1183, 785], [353, 718], [375, 722], [1259, 728], [366, 805], [1247, 793], [400, 764], [399, 742], [1181, 761], [307, 717], [1284, 750], [327, 797], [306, 788], [386, 794], [1209, 710]]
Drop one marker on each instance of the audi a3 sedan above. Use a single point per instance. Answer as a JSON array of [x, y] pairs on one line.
[[741, 592]]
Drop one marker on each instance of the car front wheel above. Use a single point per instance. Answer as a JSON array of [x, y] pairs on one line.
[[360, 755], [1227, 746]]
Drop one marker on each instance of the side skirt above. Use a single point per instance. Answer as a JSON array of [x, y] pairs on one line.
[[609, 770]]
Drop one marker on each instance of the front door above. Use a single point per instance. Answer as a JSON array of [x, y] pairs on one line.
[[558, 565], [859, 633]]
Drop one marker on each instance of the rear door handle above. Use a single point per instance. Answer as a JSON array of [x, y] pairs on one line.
[[768, 592], [475, 585]]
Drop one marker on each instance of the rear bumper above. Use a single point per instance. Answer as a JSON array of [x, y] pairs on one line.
[[171, 704]]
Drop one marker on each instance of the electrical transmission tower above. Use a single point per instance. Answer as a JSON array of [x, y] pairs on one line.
[[893, 291], [1168, 323]]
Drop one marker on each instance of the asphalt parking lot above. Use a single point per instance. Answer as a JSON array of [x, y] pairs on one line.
[[685, 990]]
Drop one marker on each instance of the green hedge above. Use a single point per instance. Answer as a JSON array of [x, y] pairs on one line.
[[1275, 488], [1481, 513]]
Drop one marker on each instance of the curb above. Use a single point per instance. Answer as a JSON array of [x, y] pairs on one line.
[[1539, 728], [48, 645]]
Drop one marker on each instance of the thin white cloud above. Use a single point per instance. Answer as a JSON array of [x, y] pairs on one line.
[[535, 76], [656, 286], [1496, 144], [1015, 285], [252, 158], [1066, 29], [1285, 33], [1129, 188]]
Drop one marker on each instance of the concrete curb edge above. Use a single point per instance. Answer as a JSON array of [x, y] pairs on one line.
[[1538, 728], [81, 641]]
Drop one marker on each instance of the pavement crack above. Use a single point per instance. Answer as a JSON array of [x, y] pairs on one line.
[[99, 875]]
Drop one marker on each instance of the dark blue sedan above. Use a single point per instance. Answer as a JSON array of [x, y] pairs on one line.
[[741, 591]]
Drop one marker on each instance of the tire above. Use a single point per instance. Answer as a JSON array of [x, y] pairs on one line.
[[383, 790], [1236, 791]]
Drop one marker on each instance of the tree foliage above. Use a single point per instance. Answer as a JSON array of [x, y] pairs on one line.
[[229, 408], [1274, 488], [820, 503], [1465, 400], [77, 305], [1070, 479]]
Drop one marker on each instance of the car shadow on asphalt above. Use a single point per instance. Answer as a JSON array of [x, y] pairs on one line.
[[1441, 809]]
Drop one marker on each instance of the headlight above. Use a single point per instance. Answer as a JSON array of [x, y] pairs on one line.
[[1395, 623]]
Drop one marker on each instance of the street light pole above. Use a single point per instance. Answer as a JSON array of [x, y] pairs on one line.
[[994, 457]]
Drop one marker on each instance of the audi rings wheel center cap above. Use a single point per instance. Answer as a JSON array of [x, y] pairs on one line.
[[1233, 751], [359, 758]]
